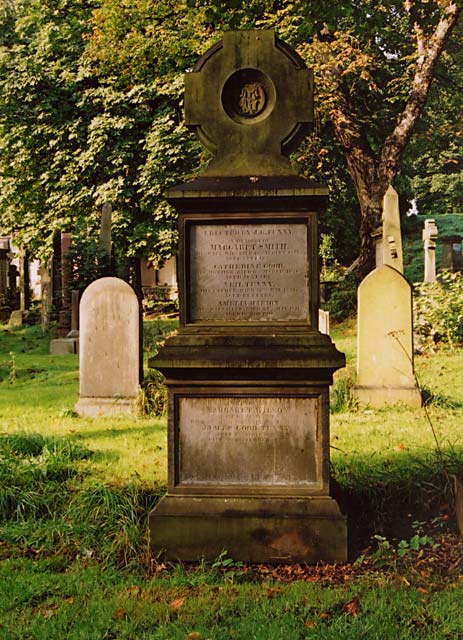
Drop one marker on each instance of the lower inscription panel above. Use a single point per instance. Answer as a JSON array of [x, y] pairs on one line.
[[247, 440]]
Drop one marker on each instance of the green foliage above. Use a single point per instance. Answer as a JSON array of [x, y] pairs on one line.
[[438, 313], [153, 399], [85, 261], [341, 397], [342, 301]]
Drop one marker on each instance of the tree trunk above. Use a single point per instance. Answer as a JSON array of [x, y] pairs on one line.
[[371, 173]]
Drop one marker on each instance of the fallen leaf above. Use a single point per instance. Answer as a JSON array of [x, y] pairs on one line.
[[309, 624], [133, 591], [324, 615], [176, 604], [70, 600], [352, 607], [422, 590], [194, 635], [120, 613], [49, 611]]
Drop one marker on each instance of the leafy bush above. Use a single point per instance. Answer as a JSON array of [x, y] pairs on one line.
[[342, 302], [154, 394], [438, 311]]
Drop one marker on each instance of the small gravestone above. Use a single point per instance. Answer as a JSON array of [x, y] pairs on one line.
[[70, 343], [109, 349], [430, 233], [452, 257], [248, 374], [385, 340]]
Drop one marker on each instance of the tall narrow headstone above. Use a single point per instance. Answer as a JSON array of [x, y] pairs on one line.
[[4, 267], [392, 237], [46, 293], [385, 372], [24, 280], [4, 273], [248, 374], [109, 367], [430, 233]]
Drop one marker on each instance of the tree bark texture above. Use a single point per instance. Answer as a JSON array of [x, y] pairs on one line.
[[373, 173]]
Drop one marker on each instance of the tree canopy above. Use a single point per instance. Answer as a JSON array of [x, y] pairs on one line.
[[91, 97]]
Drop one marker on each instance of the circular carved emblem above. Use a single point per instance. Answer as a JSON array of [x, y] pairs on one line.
[[248, 96], [252, 99]]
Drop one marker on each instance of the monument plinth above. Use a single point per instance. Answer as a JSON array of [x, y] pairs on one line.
[[248, 374]]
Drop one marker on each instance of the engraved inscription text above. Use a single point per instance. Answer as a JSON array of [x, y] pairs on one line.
[[249, 272], [243, 440]]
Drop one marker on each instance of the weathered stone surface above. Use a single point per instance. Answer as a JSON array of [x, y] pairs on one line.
[[16, 318], [248, 440], [109, 344], [392, 236], [64, 346], [248, 373], [252, 529], [324, 322], [452, 257], [430, 233], [249, 272], [249, 100], [385, 340]]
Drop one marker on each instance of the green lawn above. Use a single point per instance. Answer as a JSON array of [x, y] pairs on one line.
[[75, 493]]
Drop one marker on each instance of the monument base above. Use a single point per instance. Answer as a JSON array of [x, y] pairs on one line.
[[381, 396], [97, 407], [250, 529]]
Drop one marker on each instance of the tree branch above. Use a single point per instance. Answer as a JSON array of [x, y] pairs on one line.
[[429, 49]]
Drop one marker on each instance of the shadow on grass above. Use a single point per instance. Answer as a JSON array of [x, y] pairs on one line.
[[112, 432], [388, 496]]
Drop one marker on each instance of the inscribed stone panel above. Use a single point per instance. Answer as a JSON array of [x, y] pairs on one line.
[[244, 440], [249, 272]]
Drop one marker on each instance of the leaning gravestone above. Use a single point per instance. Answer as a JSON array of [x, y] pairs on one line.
[[385, 340], [109, 360], [248, 374]]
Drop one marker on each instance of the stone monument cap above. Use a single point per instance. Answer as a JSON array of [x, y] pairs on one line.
[[249, 99]]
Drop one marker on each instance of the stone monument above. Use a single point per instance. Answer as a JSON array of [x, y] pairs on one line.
[[248, 374], [385, 340], [388, 237], [109, 361], [4, 284], [452, 257], [430, 233]]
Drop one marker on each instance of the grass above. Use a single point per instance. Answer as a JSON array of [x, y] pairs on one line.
[[75, 494]]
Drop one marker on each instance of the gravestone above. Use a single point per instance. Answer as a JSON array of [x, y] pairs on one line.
[[430, 233], [452, 258], [248, 374], [385, 340], [4, 272], [109, 359], [70, 343], [392, 236]]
